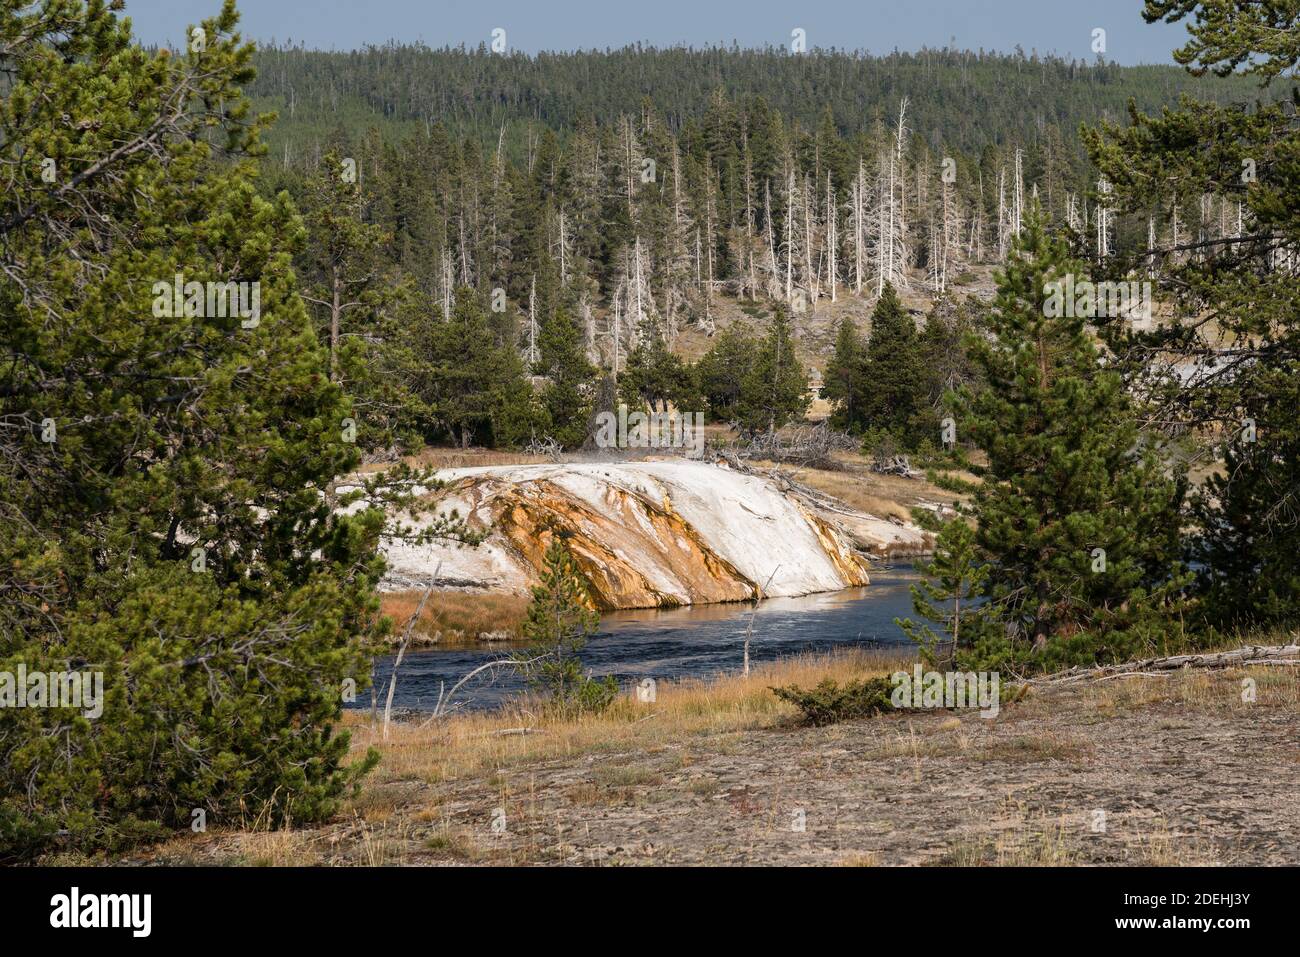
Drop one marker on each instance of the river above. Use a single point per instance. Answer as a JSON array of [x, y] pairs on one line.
[[693, 642]]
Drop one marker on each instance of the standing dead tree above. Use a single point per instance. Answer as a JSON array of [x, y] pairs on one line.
[[749, 632], [401, 651]]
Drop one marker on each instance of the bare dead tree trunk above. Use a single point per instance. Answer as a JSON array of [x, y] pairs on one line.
[[401, 651], [749, 632]]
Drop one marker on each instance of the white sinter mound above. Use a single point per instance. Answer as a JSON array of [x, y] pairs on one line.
[[645, 533]]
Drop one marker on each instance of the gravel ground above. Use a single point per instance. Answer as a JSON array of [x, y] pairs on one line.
[[1172, 770]]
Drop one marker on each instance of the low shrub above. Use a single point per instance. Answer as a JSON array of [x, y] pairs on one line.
[[829, 701]]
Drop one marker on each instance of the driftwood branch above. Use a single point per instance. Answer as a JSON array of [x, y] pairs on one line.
[[444, 701], [895, 465], [406, 640], [807, 445], [1248, 655], [545, 446], [509, 732]]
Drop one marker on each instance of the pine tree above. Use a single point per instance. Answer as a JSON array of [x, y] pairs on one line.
[[1076, 512], [169, 527], [560, 619], [951, 582], [722, 372], [365, 308], [1247, 513], [476, 386], [657, 378], [1244, 367], [775, 390], [894, 376], [945, 364], [845, 381], [567, 395]]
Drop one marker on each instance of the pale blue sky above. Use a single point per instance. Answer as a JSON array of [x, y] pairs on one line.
[[1050, 26]]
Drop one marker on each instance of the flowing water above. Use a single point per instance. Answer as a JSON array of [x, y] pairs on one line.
[[697, 641]]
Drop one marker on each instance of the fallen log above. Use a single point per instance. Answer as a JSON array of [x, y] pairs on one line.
[[895, 465], [1237, 658], [513, 731]]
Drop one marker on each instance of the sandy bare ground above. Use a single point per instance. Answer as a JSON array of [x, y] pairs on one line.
[[1135, 770]]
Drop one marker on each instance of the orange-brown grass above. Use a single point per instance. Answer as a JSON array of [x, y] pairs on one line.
[[453, 617], [885, 496], [1217, 691], [471, 743], [454, 458]]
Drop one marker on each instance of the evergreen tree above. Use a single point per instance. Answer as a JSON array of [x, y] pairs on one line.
[[722, 371], [894, 374], [944, 358], [169, 527], [365, 309], [845, 382], [1248, 513], [567, 395], [476, 386], [560, 619], [344, 272], [657, 378], [1241, 378], [775, 390], [1075, 511], [950, 585]]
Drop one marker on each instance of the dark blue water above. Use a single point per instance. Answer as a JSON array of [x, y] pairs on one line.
[[694, 642]]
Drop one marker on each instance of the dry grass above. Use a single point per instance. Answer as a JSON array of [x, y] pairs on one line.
[[453, 458], [469, 744], [1023, 837], [1223, 692], [1029, 843], [454, 617], [251, 847], [860, 860], [885, 496], [655, 781], [1040, 746], [454, 843], [279, 849]]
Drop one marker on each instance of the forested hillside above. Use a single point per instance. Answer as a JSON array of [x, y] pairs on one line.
[[600, 204], [963, 99]]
